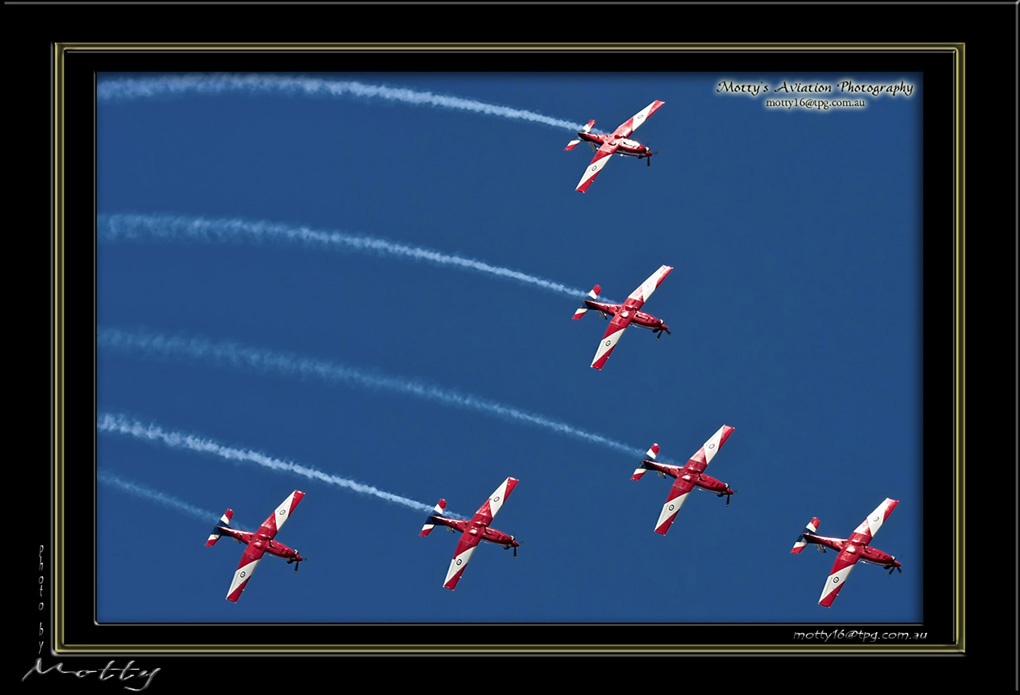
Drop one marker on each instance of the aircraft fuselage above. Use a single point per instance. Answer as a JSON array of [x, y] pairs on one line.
[[701, 480], [854, 546], [624, 146], [485, 533], [640, 318], [261, 540]]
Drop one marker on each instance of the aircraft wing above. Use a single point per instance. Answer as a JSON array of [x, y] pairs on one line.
[[635, 121], [601, 158], [249, 561], [623, 317], [703, 456], [845, 562], [677, 496], [272, 525], [639, 296], [613, 334], [465, 549], [869, 527], [487, 512]]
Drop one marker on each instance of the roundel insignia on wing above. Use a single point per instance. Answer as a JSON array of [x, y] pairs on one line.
[[671, 507], [459, 561], [496, 498], [875, 518], [593, 167], [835, 580], [283, 512], [241, 574], [712, 445], [608, 343]]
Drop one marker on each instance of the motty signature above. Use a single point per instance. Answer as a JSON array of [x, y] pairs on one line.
[[127, 673]]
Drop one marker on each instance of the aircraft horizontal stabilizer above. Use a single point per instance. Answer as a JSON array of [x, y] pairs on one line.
[[215, 534], [812, 527], [429, 522], [650, 455], [583, 309], [574, 143]]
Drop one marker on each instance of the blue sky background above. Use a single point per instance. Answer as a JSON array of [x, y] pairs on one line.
[[794, 304]]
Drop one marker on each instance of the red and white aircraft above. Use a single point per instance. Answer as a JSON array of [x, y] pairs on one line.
[[850, 549], [687, 477], [624, 314], [617, 142], [259, 543], [475, 530]]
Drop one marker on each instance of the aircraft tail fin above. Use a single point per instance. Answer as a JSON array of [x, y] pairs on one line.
[[652, 452], [215, 534], [812, 527], [586, 129], [583, 309], [429, 524]]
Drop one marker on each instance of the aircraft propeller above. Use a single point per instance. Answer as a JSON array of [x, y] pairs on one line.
[[658, 332], [895, 567], [731, 493], [507, 547]]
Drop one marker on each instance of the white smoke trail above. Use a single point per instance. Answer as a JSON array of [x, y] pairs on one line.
[[156, 496], [132, 227], [236, 355], [119, 424], [129, 88]]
